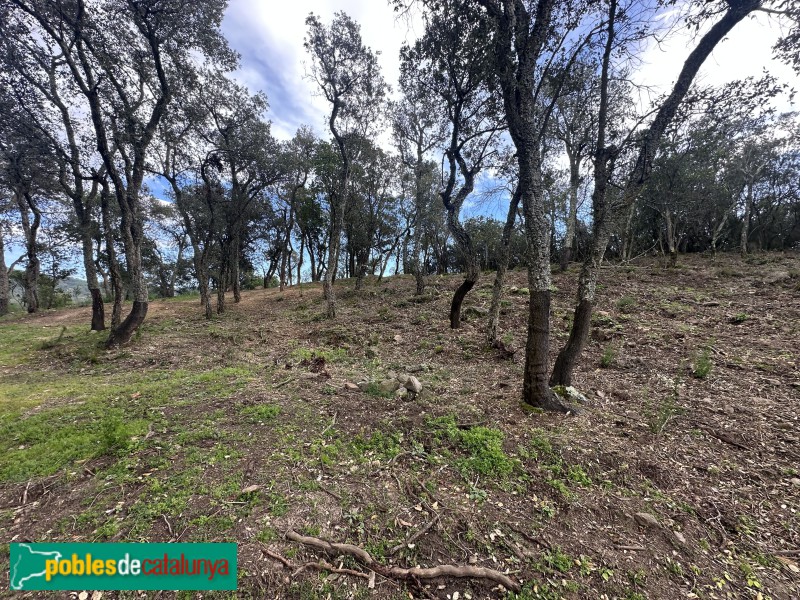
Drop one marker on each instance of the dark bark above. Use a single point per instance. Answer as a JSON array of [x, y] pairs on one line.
[[568, 357], [98, 311], [458, 299], [122, 334]]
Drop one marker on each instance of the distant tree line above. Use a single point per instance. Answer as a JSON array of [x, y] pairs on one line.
[[127, 147]]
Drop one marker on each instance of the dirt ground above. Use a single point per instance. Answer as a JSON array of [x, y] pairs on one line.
[[680, 479]]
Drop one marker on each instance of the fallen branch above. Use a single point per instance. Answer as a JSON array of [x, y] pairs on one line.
[[361, 555], [415, 537], [319, 566]]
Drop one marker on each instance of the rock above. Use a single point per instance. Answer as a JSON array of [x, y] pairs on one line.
[[391, 375], [351, 387], [575, 395], [644, 519], [402, 378], [401, 392], [413, 385], [417, 368], [795, 481], [398, 338], [729, 409], [388, 386], [681, 539], [363, 385], [250, 489]]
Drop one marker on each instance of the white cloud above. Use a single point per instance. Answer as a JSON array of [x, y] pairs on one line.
[[269, 35]]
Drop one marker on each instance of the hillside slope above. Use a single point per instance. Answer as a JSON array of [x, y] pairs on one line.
[[679, 480]]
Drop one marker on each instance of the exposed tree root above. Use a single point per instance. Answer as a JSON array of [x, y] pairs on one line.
[[411, 574]]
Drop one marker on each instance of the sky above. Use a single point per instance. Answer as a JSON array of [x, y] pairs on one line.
[[269, 36]]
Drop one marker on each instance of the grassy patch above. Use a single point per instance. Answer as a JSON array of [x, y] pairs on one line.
[[482, 446]]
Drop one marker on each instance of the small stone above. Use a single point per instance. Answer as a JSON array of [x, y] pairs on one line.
[[388, 386], [83, 595], [391, 375], [795, 481], [473, 559], [398, 338], [417, 368], [644, 519], [250, 489], [402, 378], [680, 538], [401, 392], [351, 387], [729, 409], [413, 385], [363, 385]]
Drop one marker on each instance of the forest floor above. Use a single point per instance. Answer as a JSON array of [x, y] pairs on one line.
[[679, 480]]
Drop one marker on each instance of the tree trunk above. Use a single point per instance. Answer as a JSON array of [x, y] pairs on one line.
[[132, 241], [648, 145], [4, 284], [502, 266], [572, 216], [473, 267], [113, 264], [333, 261], [748, 206], [671, 246], [98, 310], [30, 228]]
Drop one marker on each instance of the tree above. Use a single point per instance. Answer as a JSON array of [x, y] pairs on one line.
[[450, 65], [732, 12], [348, 75], [112, 52]]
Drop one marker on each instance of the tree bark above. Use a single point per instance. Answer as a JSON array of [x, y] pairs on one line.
[[502, 267], [4, 284], [30, 228], [113, 264], [748, 207], [572, 216]]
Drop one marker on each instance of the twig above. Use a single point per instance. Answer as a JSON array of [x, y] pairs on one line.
[[330, 493], [283, 383], [332, 423], [406, 574], [169, 527], [277, 557], [632, 548], [787, 552], [25, 493], [416, 536]]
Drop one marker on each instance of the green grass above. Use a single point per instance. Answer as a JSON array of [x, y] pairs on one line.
[[702, 364], [482, 448], [50, 422], [261, 413]]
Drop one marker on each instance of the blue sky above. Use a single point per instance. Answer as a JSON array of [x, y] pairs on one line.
[[269, 37]]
